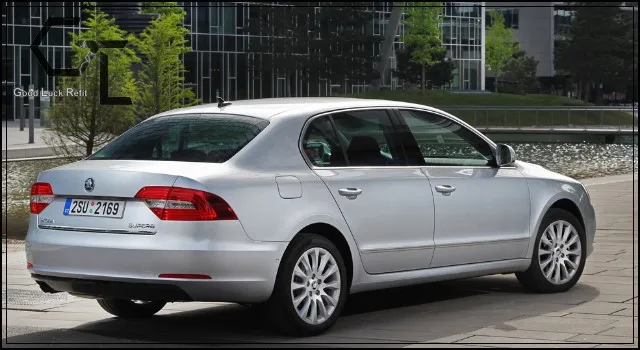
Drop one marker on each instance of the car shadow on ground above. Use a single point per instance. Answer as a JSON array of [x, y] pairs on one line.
[[401, 315]]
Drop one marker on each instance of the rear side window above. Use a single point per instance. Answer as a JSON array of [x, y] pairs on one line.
[[211, 138]]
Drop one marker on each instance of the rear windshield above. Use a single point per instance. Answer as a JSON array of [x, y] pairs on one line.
[[212, 138]]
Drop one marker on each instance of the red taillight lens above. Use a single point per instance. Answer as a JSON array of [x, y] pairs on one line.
[[41, 196], [184, 204]]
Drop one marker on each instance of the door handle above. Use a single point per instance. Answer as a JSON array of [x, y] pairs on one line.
[[350, 193], [445, 189]]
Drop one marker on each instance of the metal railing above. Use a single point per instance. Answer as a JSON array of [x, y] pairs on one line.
[[549, 117]]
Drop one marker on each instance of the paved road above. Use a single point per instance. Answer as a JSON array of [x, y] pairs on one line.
[[487, 311]]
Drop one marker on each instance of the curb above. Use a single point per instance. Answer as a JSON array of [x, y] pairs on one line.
[[27, 153]]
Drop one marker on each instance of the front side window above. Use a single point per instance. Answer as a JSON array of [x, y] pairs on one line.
[[441, 141], [211, 138]]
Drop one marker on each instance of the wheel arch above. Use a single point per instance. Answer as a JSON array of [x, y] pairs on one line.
[[336, 237], [560, 201]]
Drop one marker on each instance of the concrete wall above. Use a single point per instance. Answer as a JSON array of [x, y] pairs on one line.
[[535, 32]]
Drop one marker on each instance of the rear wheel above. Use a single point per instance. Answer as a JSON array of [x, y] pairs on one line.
[[127, 308], [558, 257], [311, 287]]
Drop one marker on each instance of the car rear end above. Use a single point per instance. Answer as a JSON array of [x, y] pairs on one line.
[[134, 221]]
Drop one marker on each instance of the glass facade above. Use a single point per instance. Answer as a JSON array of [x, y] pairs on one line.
[[221, 62], [511, 17], [462, 35], [21, 21], [562, 16]]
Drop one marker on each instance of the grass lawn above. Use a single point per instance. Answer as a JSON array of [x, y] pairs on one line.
[[506, 117]]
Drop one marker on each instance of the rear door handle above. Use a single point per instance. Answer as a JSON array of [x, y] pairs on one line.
[[350, 193], [445, 189]]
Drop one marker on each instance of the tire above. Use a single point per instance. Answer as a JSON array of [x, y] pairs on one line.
[[126, 308], [280, 310], [534, 279]]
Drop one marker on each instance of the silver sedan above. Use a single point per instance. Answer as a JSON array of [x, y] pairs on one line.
[[292, 204]]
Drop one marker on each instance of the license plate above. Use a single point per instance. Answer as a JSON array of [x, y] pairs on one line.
[[94, 207]]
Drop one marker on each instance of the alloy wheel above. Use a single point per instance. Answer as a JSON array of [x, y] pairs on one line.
[[315, 286], [559, 252]]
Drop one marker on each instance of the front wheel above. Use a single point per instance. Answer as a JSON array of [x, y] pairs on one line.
[[558, 257], [311, 287], [127, 308]]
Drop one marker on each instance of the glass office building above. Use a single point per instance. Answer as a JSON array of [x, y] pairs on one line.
[[221, 63], [463, 30]]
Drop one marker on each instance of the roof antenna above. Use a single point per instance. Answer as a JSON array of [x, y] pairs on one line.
[[222, 103]]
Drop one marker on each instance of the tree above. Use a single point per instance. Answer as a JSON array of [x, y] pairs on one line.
[[599, 48], [440, 74], [83, 122], [313, 40], [279, 42], [520, 73], [161, 76], [343, 45], [499, 45], [422, 35]]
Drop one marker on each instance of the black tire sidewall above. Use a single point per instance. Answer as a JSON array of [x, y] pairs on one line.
[[534, 277], [128, 309], [287, 319]]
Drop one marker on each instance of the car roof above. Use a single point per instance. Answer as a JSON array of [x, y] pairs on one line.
[[267, 108]]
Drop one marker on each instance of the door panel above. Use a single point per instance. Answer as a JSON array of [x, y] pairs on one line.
[[391, 219], [387, 205], [486, 217], [481, 211]]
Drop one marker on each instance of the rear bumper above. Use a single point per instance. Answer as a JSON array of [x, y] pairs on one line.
[[112, 289], [129, 266]]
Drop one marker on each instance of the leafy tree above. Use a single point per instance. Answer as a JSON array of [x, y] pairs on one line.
[[161, 76], [83, 122], [599, 48], [343, 46], [440, 74], [422, 35], [323, 42], [280, 37], [520, 74], [500, 45]]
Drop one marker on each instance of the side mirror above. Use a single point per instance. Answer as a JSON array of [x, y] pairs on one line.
[[505, 155]]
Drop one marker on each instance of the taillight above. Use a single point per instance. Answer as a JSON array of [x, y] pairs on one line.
[[184, 204], [41, 196]]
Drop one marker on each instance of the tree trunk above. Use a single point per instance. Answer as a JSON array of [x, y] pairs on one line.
[[89, 145], [496, 84], [586, 92], [598, 97], [423, 79]]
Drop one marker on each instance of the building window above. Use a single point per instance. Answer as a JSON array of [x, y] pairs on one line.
[[562, 17], [511, 17]]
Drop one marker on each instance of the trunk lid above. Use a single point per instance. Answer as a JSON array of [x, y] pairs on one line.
[[112, 181]]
